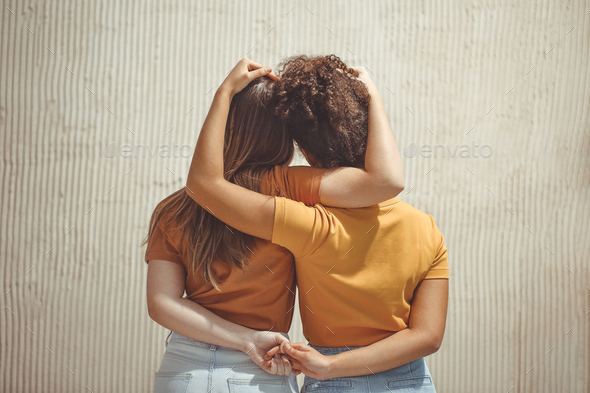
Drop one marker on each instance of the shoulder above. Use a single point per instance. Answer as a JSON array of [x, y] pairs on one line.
[[420, 218], [270, 180], [294, 205], [163, 206], [314, 216], [164, 210]]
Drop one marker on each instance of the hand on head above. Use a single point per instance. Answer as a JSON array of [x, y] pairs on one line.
[[243, 73]]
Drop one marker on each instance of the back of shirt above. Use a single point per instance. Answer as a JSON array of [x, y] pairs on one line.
[[262, 295], [357, 269]]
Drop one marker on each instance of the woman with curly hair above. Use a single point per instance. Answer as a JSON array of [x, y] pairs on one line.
[[329, 126], [240, 290], [373, 281]]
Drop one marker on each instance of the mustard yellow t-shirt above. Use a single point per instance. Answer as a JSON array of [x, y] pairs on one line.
[[357, 269]]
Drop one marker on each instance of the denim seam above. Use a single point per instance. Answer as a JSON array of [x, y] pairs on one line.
[[350, 380], [188, 383], [201, 345], [166, 341], [247, 364], [408, 379], [210, 370], [245, 381], [190, 342], [185, 358]]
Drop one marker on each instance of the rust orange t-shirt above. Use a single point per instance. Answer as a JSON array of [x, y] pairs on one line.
[[262, 295]]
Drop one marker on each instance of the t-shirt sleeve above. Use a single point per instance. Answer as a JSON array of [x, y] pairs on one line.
[[163, 248], [440, 263], [299, 183], [299, 228]]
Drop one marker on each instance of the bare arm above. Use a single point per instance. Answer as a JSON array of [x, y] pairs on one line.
[[253, 213], [383, 176], [381, 179], [241, 208], [166, 306], [422, 338]]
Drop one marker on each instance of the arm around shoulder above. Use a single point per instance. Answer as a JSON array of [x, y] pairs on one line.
[[382, 177]]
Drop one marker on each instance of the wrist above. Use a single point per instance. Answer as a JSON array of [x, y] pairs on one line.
[[249, 341], [374, 93], [332, 367], [370, 85], [224, 92]]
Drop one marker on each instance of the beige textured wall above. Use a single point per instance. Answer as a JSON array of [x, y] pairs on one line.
[[76, 77]]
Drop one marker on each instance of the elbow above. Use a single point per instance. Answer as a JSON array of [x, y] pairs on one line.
[[192, 189], [398, 187], [194, 184], [153, 308], [397, 181], [430, 340], [394, 185], [198, 188], [427, 340], [434, 344]]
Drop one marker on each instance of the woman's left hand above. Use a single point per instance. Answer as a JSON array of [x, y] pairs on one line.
[[258, 345], [304, 359], [243, 73]]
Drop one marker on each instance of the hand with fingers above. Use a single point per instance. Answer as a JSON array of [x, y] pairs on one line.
[[257, 348], [243, 73], [361, 74], [279, 364], [304, 359]]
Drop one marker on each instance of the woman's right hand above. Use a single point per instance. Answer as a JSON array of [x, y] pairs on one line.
[[242, 74], [362, 74], [259, 343]]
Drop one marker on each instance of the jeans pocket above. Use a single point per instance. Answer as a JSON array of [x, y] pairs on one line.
[[329, 385], [410, 384], [258, 385], [172, 382]]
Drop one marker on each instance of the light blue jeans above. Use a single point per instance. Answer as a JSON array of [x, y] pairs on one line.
[[193, 366], [409, 378]]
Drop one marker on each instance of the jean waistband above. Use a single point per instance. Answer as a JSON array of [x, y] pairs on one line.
[[173, 336], [332, 350], [414, 369]]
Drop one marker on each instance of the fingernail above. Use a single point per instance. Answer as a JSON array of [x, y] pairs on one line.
[[287, 347], [267, 69]]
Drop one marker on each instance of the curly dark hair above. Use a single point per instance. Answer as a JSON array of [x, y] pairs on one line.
[[324, 110]]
